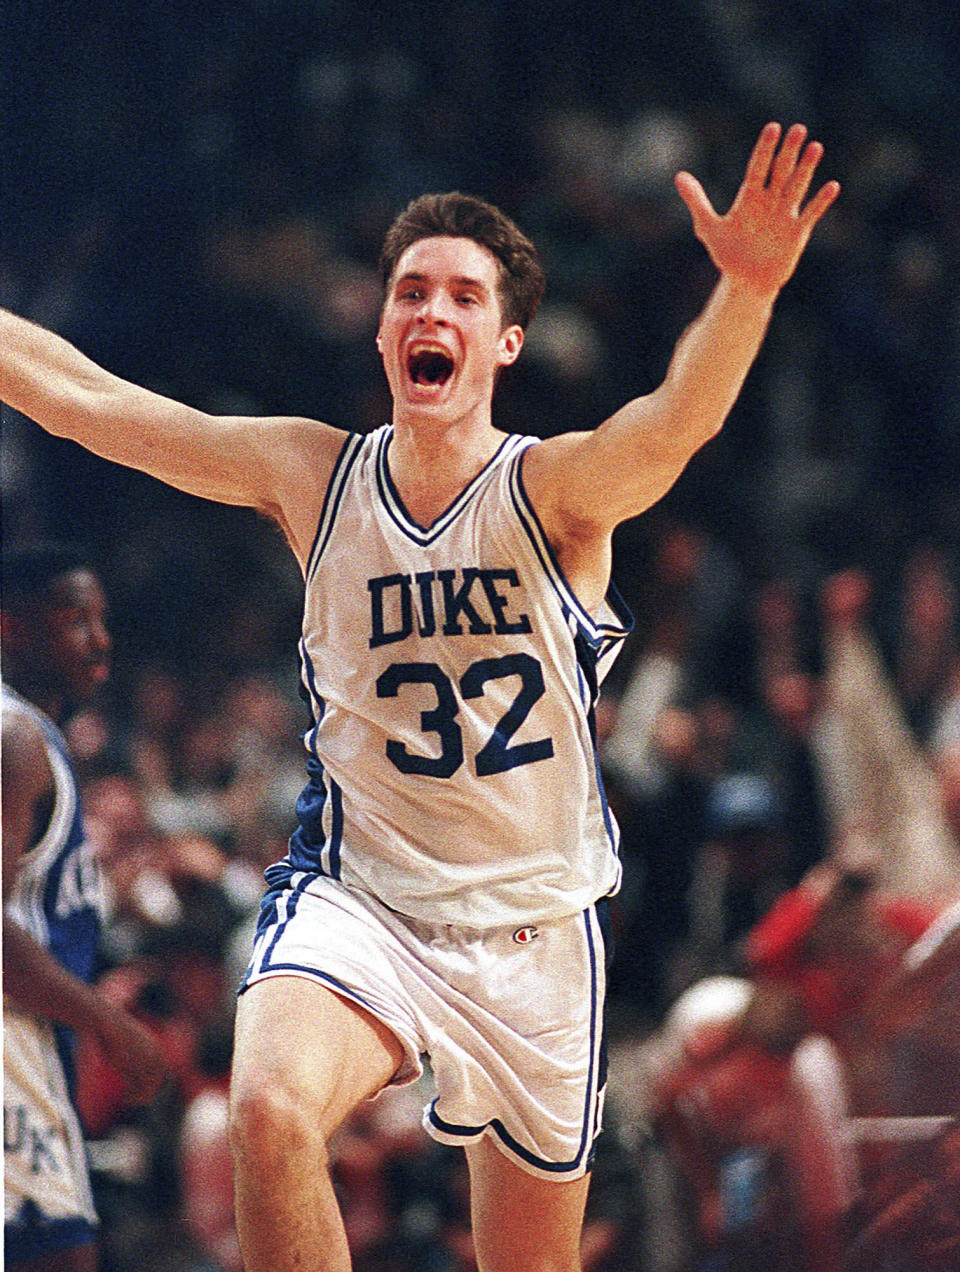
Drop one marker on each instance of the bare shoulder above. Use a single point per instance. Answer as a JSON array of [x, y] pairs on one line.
[[589, 482], [24, 751], [552, 472], [300, 455], [576, 527], [27, 783]]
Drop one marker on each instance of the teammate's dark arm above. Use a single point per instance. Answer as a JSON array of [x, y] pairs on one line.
[[32, 978]]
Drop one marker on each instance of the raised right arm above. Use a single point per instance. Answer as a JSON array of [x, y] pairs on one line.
[[280, 465]]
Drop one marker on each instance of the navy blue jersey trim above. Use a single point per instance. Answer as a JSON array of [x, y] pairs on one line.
[[384, 485], [596, 1079], [292, 896], [587, 680], [314, 973], [308, 842], [317, 703], [353, 444], [495, 1125], [600, 635], [612, 635], [393, 503], [336, 827]]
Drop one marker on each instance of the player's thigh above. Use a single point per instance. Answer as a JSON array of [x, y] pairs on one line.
[[301, 1049], [523, 1223]]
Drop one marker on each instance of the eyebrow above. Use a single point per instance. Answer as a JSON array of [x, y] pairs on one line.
[[460, 280]]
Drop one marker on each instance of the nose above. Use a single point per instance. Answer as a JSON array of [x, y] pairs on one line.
[[431, 311], [100, 637]]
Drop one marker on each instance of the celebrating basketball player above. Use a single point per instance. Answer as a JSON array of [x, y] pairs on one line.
[[444, 893]]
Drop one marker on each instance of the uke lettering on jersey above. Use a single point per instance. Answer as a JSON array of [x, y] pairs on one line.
[[31, 1142], [471, 601]]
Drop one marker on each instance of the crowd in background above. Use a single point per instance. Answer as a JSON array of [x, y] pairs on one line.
[[195, 196]]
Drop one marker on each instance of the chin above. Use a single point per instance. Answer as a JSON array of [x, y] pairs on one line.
[[435, 409]]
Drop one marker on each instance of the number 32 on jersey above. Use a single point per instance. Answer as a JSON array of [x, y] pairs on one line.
[[496, 755]]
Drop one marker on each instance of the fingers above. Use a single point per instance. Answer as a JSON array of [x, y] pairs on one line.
[[791, 173], [761, 157], [785, 166], [694, 196], [819, 203], [795, 190]]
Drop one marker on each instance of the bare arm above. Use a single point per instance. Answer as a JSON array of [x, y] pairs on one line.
[[32, 978], [584, 484], [279, 466]]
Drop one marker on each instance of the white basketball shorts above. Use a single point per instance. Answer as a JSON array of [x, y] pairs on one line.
[[510, 1018], [48, 1204]]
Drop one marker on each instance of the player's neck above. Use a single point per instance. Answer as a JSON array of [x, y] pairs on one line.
[[431, 463]]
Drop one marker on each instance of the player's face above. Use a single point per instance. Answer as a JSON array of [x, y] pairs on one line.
[[441, 336], [71, 643]]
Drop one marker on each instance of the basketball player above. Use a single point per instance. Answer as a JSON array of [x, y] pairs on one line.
[[55, 652], [444, 891]]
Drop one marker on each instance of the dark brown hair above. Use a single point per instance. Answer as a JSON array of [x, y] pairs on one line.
[[522, 279]]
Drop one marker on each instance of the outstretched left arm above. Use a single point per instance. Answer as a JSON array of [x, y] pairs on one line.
[[584, 484]]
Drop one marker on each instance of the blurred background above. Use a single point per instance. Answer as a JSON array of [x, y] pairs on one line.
[[195, 194]]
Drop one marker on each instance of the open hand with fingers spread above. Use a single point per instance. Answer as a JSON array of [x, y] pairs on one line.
[[760, 240]]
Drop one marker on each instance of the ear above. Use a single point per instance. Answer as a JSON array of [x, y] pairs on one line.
[[511, 342]]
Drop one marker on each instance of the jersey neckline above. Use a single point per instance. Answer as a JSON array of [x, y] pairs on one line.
[[394, 505]]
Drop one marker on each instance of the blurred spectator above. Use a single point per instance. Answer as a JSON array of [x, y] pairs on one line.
[[914, 1224], [837, 942], [871, 760], [823, 960], [740, 869], [929, 646], [203, 1156]]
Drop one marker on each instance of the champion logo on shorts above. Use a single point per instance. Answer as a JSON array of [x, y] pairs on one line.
[[524, 935]]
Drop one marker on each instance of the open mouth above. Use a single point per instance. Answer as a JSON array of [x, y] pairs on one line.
[[430, 366]]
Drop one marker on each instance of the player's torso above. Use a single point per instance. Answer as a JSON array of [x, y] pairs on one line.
[[58, 893], [451, 678]]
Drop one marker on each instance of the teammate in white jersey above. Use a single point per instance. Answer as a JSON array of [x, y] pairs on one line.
[[55, 653], [444, 892]]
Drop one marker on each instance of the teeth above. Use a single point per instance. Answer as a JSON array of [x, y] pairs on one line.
[[426, 346]]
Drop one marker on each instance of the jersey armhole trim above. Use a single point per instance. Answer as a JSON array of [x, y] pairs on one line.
[[349, 452], [602, 634]]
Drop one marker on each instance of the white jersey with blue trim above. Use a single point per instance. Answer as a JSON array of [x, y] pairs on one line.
[[58, 892], [58, 898], [452, 675]]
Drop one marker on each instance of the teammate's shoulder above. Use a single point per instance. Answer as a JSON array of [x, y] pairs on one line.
[[24, 744], [19, 713]]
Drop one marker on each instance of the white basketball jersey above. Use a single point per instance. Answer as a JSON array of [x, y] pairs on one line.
[[58, 898], [452, 675]]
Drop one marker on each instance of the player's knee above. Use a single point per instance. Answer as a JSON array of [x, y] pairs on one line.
[[270, 1119]]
